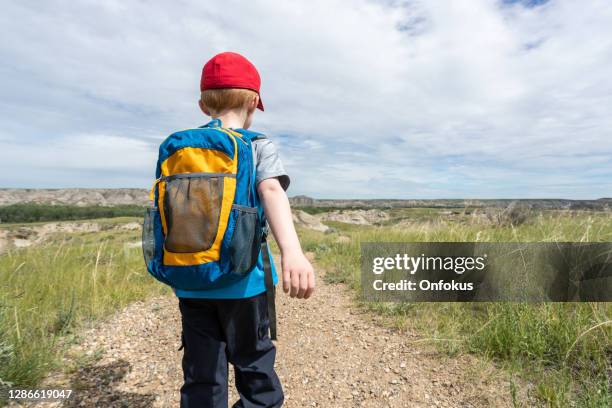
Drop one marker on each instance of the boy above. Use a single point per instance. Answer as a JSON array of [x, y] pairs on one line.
[[230, 324]]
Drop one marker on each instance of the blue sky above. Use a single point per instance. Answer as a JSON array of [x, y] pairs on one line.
[[365, 99]]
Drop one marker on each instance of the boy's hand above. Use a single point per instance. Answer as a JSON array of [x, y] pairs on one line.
[[298, 275]]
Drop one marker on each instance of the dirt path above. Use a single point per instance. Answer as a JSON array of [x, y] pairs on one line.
[[329, 355]]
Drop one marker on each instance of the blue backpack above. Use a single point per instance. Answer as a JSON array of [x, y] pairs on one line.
[[206, 227]]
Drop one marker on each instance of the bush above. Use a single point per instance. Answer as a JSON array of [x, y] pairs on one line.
[[514, 214]]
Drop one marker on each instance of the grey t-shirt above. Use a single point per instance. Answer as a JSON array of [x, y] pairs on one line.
[[268, 163]]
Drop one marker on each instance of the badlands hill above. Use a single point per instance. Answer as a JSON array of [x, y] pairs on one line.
[[136, 196], [75, 196], [546, 203]]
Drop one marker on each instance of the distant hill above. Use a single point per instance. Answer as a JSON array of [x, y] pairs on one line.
[[76, 196], [545, 203], [136, 196]]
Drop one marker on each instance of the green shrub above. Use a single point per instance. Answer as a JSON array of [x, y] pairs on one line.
[[20, 213]]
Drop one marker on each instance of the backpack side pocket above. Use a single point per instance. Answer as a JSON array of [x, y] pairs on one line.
[[148, 235], [245, 243]]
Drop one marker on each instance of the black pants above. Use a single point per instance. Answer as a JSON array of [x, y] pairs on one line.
[[216, 332]]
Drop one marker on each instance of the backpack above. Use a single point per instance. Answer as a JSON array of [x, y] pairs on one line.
[[206, 228]]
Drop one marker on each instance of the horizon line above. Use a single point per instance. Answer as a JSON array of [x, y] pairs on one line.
[[327, 198]]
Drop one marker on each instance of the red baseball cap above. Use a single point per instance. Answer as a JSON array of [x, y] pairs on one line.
[[231, 70]]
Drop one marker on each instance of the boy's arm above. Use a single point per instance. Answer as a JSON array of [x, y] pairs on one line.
[[298, 275]]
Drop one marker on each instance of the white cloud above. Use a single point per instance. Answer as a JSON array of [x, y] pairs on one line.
[[77, 160], [469, 98]]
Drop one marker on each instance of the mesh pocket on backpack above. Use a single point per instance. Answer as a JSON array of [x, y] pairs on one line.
[[192, 207], [148, 235], [244, 245]]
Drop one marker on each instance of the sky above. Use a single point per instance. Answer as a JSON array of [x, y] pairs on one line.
[[364, 99]]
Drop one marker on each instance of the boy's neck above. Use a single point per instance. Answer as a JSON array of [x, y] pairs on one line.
[[233, 119]]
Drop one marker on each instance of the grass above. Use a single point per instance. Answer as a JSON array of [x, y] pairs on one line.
[[48, 291], [564, 349]]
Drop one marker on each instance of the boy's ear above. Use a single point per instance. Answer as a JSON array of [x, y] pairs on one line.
[[203, 107], [253, 104]]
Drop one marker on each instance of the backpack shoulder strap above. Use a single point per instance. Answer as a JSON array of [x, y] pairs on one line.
[[269, 283], [259, 137], [265, 254], [250, 135]]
